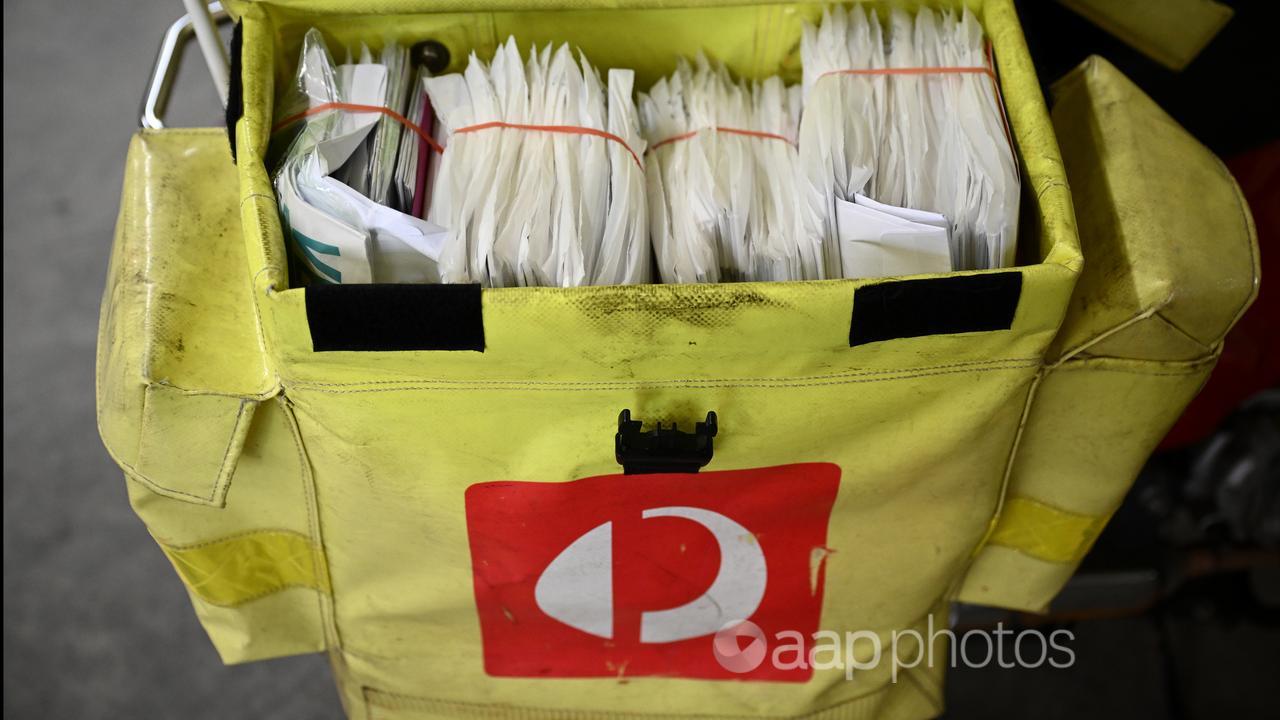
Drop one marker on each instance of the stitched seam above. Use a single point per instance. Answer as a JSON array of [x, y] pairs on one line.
[[144, 347], [313, 522], [132, 473], [1075, 365], [1162, 317], [271, 590], [257, 596], [228, 538], [267, 395], [453, 8], [271, 381], [306, 384], [420, 703], [262, 231], [126, 215], [957, 584], [1069, 564], [147, 481], [251, 196], [1242, 205], [688, 386], [223, 484], [1150, 374], [1051, 184], [271, 370], [179, 563], [1090, 342], [1094, 365]]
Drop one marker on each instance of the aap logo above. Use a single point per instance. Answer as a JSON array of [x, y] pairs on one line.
[[732, 654], [668, 574]]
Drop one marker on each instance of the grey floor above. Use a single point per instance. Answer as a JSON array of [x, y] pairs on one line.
[[96, 624]]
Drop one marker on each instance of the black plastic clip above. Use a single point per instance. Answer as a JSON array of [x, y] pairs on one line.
[[663, 450]]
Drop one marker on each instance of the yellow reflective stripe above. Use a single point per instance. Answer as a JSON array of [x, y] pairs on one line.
[[241, 568], [1046, 532]]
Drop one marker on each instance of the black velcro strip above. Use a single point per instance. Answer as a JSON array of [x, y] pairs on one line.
[[934, 306], [384, 317], [235, 89]]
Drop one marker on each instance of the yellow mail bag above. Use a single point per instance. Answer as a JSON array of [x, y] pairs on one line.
[[437, 485]]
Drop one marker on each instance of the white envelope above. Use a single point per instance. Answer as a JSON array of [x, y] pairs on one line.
[[876, 243], [918, 216]]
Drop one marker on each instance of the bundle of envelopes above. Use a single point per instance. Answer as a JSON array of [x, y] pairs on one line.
[[530, 195], [510, 202], [722, 176], [904, 146], [891, 158]]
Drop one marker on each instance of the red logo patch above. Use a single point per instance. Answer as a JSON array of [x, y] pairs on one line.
[[629, 575]]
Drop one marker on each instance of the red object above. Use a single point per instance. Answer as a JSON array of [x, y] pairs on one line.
[[1251, 354], [721, 129], [632, 575], [358, 108], [420, 203], [426, 136], [562, 129]]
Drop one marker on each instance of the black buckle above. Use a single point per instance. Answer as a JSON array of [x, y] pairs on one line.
[[663, 450]]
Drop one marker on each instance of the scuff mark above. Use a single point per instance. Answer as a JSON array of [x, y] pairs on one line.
[[817, 558]]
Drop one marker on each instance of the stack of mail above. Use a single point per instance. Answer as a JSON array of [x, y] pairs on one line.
[[911, 172], [340, 232], [840, 132], [722, 178], [530, 190], [532, 171]]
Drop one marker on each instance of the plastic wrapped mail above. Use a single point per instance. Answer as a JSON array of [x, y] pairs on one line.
[[723, 175], [370, 169], [338, 232], [530, 188], [878, 123]]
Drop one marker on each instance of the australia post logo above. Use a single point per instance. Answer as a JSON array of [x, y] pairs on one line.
[[628, 575]]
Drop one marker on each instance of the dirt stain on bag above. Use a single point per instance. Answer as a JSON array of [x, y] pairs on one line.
[[648, 306]]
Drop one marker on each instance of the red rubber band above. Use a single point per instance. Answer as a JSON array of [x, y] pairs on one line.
[[987, 70], [566, 129], [576, 130], [431, 142], [721, 129], [354, 107]]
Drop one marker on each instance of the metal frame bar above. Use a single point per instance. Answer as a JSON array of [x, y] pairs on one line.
[[201, 23]]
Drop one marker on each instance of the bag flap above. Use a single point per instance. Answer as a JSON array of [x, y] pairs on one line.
[[1170, 265], [1170, 247], [180, 360]]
